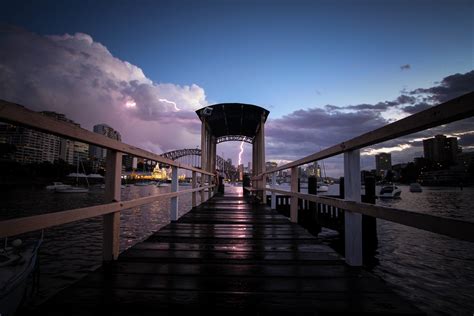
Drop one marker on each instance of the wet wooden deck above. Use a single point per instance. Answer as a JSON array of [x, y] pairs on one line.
[[228, 257]]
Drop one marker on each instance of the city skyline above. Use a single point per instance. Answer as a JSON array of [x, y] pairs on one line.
[[284, 58]]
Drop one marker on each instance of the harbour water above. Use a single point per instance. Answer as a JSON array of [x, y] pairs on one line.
[[433, 271]]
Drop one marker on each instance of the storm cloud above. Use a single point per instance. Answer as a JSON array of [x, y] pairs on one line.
[[304, 132], [80, 77], [77, 76]]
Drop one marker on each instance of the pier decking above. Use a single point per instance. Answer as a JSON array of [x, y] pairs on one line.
[[228, 256]]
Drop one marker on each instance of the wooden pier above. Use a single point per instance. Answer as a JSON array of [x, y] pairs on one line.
[[228, 256], [232, 254]]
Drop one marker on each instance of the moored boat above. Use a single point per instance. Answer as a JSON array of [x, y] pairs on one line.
[[72, 189], [57, 185], [390, 192], [16, 265], [415, 187]]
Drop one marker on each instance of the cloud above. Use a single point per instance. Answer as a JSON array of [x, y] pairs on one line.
[[405, 67], [304, 132], [450, 87], [77, 76]]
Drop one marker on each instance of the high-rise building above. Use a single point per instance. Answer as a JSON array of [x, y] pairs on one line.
[[66, 146], [383, 163], [441, 149], [32, 146], [98, 154]]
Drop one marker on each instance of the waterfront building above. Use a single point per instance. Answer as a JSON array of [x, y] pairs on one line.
[[98, 154], [441, 149], [383, 163], [33, 146]]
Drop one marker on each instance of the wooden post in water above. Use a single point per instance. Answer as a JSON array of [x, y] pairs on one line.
[[294, 199], [352, 221], [111, 222], [174, 200], [369, 223], [273, 200], [315, 227], [193, 197]]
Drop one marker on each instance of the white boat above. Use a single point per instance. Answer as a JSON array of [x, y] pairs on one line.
[[16, 264], [57, 185], [73, 190], [76, 188], [415, 187], [321, 187], [390, 192], [141, 184], [163, 184]]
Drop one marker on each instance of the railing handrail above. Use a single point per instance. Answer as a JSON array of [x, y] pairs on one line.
[[460, 229], [447, 112], [19, 115], [16, 226]]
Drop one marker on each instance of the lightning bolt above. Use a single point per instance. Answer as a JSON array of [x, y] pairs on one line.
[[241, 152], [170, 102]]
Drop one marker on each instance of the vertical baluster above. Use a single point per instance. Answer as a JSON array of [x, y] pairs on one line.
[[174, 188], [273, 201], [193, 203], [352, 221], [111, 222], [294, 199]]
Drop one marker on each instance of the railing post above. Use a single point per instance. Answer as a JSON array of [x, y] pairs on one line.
[[193, 198], [111, 222], [352, 221], [209, 191], [294, 199], [273, 200], [202, 190], [174, 200]]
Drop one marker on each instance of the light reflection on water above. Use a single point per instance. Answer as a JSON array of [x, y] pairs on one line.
[[72, 250], [433, 271]]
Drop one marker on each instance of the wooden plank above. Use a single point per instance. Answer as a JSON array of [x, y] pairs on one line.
[[450, 111], [19, 115], [233, 268], [84, 301]]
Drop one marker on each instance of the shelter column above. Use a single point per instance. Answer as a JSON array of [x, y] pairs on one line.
[[261, 152], [203, 155]]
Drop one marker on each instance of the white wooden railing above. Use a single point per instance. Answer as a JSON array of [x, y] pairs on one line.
[[450, 111], [18, 115]]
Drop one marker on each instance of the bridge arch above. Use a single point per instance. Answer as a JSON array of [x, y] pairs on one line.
[[195, 160]]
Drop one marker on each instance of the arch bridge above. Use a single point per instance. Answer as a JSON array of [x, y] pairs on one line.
[[192, 157]]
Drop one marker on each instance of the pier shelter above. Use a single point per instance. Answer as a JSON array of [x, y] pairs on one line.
[[234, 122]]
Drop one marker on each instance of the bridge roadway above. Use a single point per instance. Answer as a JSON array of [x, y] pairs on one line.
[[228, 256]]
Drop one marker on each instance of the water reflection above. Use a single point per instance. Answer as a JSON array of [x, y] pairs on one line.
[[72, 250]]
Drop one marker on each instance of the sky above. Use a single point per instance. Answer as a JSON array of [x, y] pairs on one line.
[[326, 70]]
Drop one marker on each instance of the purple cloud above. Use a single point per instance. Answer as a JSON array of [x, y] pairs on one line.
[[74, 75]]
